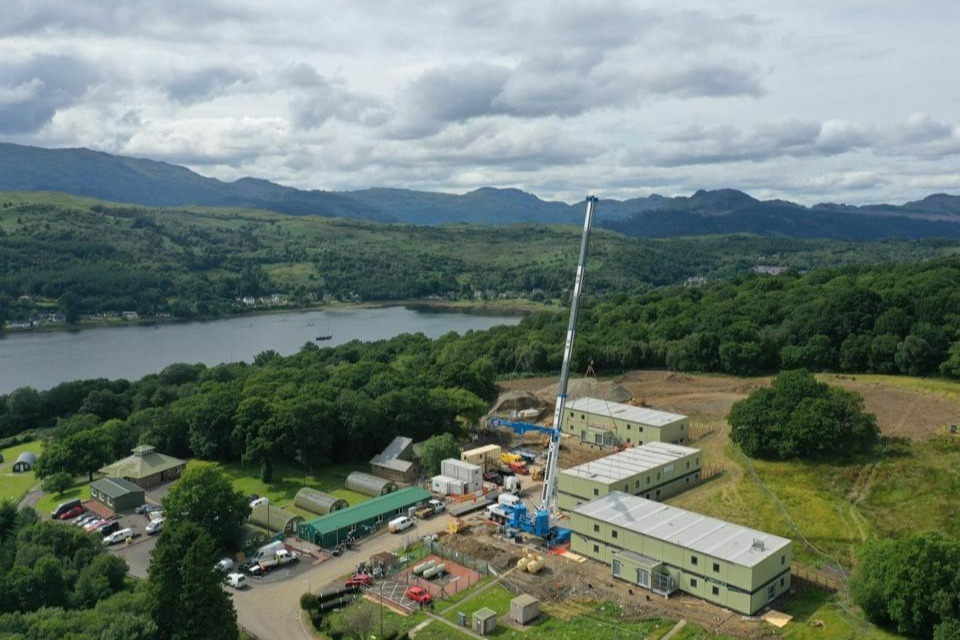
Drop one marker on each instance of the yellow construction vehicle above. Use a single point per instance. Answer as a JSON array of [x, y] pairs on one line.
[[458, 525], [537, 474]]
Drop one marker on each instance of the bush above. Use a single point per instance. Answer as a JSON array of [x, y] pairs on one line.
[[57, 483], [308, 601], [317, 620]]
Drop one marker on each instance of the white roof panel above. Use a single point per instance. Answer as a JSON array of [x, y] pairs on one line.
[[710, 536], [630, 462], [625, 412]]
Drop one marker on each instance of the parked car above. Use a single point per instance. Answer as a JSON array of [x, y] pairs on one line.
[[237, 580], [419, 595], [85, 518], [154, 526], [256, 502], [360, 580], [108, 527], [494, 477], [400, 524], [118, 536], [93, 525], [71, 513], [147, 508], [225, 565], [63, 507]]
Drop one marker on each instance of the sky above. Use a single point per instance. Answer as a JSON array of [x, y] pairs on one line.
[[819, 101]]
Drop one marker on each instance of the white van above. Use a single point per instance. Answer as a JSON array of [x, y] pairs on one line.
[[237, 580], [399, 524], [118, 536]]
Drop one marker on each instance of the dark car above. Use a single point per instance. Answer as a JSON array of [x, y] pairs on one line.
[[494, 477], [506, 472], [146, 509], [108, 527]]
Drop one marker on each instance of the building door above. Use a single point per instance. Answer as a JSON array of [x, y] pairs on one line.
[[772, 592], [583, 435], [616, 568], [643, 578]]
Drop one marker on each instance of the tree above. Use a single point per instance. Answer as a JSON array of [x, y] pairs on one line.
[[205, 497], [799, 417], [912, 584], [57, 483], [437, 449], [185, 596]]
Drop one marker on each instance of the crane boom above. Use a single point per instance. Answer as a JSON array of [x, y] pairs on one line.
[[548, 495]]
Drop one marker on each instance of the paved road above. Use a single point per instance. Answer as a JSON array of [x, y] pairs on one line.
[[270, 608]]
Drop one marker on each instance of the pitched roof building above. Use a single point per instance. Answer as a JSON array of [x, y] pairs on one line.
[[146, 468]]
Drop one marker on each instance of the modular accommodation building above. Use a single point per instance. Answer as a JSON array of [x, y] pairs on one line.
[[146, 468], [600, 422], [656, 471], [360, 520], [665, 549], [117, 494]]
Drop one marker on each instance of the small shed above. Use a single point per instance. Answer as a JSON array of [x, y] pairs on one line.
[[318, 502], [484, 621], [24, 462], [117, 494], [274, 519], [369, 485], [524, 609]]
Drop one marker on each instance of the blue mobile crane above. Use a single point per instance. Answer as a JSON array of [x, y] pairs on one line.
[[543, 521]]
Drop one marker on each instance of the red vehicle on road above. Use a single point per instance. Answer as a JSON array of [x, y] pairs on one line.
[[360, 580], [419, 594], [72, 513]]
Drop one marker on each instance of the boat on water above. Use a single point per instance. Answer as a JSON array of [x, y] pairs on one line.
[[322, 338]]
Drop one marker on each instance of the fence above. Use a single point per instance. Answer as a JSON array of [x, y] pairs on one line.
[[808, 576]]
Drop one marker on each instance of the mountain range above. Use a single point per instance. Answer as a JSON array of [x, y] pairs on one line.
[[159, 184]]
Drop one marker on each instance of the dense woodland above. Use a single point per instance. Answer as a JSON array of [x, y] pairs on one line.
[[82, 257]]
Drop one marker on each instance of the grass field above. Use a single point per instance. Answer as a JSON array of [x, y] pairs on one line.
[[14, 485], [288, 479]]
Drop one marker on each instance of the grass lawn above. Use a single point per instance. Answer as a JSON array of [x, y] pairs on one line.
[[288, 479], [49, 501], [14, 485], [819, 615]]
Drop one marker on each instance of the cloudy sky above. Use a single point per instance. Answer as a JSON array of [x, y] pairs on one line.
[[824, 100]]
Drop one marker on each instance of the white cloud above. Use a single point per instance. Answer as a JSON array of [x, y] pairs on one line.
[[811, 101]]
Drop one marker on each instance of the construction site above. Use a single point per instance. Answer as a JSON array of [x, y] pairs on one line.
[[560, 500]]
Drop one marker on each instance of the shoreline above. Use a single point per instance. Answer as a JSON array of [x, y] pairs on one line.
[[483, 308]]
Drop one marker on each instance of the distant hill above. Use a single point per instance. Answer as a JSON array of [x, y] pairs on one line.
[[150, 183], [159, 184]]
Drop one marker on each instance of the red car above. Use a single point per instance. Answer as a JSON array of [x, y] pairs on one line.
[[360, 580], [419, 594], [72, 513]]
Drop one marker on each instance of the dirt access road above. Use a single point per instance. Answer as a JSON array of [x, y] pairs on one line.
[[271, 610]]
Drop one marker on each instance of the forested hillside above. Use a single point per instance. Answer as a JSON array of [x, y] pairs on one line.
[[86, 257]]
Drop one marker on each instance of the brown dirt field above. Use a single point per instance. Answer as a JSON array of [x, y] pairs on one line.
[[901, 412]]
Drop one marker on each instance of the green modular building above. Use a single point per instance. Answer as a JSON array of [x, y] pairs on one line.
[[360, 520], [656, 470], [665, 549], [604, 423], [117, 494]]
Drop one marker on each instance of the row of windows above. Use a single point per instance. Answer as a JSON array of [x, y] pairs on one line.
[[716, 565]]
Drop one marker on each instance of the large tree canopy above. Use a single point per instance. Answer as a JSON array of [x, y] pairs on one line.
[[911, 584], [205, 497], [799, 417]]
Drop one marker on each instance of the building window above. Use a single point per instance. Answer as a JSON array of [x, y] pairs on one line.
[[693, 560], [698, 461], [658, 475], [626, 488], [647, 496], [783, 559], [688, 464], [583, 417], [716, 567], [596, 492], [658, 493], [613, 533], [628, 440], [716, 591], [781, 581], [596, 528], [636, 485], [682, 426], [596, 548], [693, 582], [648, 479], [571, 414], [640, 428], [628, 427]]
